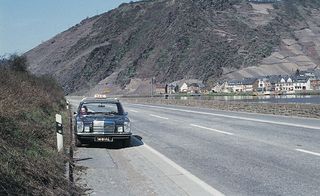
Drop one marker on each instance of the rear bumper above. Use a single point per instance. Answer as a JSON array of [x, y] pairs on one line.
[[93, 137]]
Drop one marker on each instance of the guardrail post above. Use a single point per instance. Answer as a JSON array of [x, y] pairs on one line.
[[68, 105]]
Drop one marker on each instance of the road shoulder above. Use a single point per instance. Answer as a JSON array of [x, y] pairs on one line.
[[137, 170]]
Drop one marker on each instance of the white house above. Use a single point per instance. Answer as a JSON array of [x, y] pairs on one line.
[[302, 83], [286, 85], [222, 88], [235, 86], [184, 87]]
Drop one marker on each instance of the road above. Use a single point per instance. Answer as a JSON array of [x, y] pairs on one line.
[[192, 151]]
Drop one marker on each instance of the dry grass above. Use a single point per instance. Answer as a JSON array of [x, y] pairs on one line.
[[29, 163]]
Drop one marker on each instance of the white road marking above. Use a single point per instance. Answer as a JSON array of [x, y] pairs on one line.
[[159, 117], [135, 111], [215, 130], [308, 152], [183, 171], [235, 117]]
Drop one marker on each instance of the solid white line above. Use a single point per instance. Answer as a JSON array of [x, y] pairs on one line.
[[183, 171], [308, 152], [134, 111], [234, 117], [159, 117], [215, 130]]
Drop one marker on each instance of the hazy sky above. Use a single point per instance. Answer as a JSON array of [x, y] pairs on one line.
[[24, 24]]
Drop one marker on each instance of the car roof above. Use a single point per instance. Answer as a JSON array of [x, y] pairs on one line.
[[99, 100]]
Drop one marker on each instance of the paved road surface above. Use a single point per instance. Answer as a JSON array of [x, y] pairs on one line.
[[190, 151]]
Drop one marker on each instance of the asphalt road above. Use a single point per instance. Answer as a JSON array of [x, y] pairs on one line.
[[234, 153]]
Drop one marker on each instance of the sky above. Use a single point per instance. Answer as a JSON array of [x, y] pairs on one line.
[[24, 24]]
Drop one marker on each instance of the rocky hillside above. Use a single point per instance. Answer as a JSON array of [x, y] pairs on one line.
[[119, 51]]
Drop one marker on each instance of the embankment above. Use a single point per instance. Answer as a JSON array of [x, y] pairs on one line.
[[29, 161]]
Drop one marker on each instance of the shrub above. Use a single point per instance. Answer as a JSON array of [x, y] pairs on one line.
[[15, 63]]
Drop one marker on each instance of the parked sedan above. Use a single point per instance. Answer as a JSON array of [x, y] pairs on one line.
[[101, 120]]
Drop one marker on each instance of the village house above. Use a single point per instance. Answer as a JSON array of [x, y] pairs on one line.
[[286, 85], [184, 88], [226, 88], [303, 80], [219, 87], [315, 84], [279, 84], [308, 73], [161, 89], [249, 84], [274, 83], [172, 88], [192, 88], [301, 83], [235, 86], [263, 85]]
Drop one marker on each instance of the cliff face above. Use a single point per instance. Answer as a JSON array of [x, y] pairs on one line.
[[171, 40]]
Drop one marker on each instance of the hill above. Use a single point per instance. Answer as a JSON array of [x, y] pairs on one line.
[[121, 50]]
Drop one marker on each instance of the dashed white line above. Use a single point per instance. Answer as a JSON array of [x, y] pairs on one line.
[[308, 152], [215, 130], [202, 184], [135, 111], [159, 117], [235, 117]]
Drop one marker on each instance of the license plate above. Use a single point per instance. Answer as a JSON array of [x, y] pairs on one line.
[[104, 139], [97, 123]]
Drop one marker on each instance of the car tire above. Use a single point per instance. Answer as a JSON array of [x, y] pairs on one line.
[[78, 142], [126, 143]]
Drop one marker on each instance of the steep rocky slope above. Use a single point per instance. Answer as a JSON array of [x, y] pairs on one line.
[[300, 49], [119, 51]]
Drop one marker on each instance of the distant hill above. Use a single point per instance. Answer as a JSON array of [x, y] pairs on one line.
[[121, 50]]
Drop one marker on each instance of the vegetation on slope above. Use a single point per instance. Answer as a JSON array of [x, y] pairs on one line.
[[29, 163]]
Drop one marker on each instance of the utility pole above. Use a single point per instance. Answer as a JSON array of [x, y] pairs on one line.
[[152, 82]]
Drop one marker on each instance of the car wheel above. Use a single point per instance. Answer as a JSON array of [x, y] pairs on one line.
[[78, 142], [126, 142]]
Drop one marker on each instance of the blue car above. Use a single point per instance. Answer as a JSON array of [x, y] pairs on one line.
[[101, 120]]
